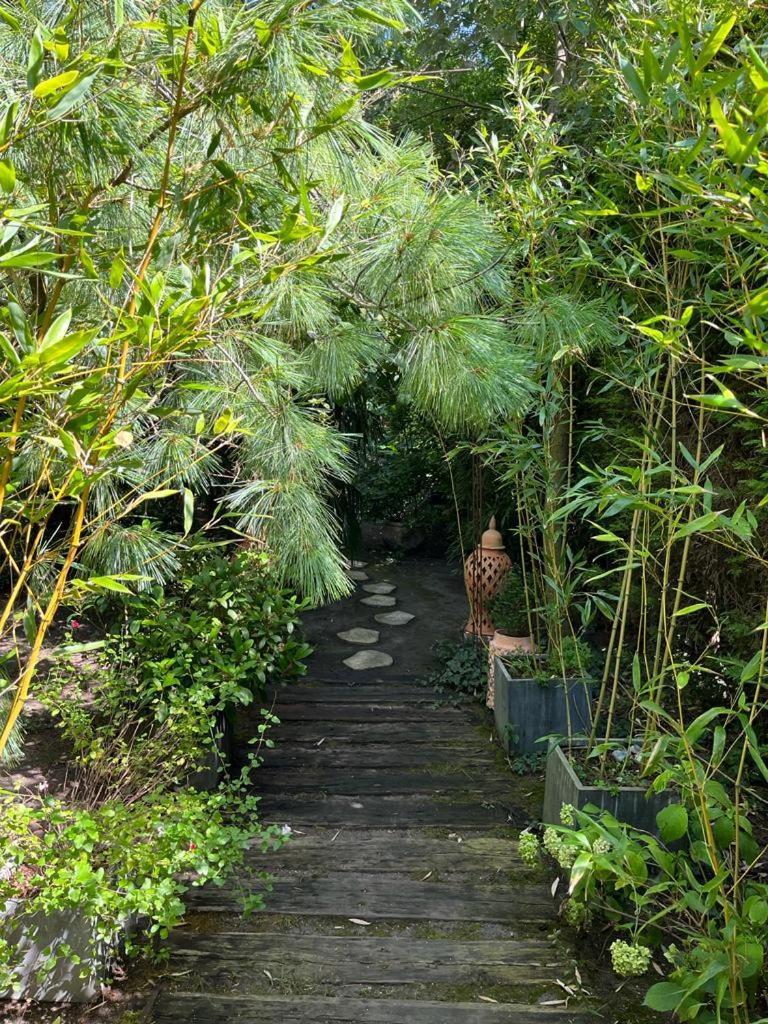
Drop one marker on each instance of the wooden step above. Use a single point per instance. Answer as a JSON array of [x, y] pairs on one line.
[[301, 960], [374, 781], [190, 1008], [343, 754], [350, 693], [389, 853], [405, 811], [409, 732], [374, 712], [370, 897]]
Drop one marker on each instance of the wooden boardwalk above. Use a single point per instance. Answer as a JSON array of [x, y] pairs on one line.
[[400, 898]]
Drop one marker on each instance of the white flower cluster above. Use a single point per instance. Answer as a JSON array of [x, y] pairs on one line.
[[601, 846], [528, 848], [566, 814], [555, 845], [575, 913], [628, 959]]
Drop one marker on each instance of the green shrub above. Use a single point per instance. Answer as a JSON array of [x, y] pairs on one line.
[[213, 643], [185, 657], [117, 860], [673, 897], [463, 668]]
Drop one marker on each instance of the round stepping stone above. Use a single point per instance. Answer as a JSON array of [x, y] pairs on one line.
[[394, 618], [357, 574], [379, 588], [358, 635], [368, 659], [379, 601]]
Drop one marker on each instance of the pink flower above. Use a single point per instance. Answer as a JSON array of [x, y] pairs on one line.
[[75, 624], [193, 846]]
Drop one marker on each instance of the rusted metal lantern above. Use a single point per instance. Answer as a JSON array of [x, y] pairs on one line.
[[484, 574]]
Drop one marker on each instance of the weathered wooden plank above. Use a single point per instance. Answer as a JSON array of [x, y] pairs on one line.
[[362, 959], [389, 853], [375, 732], [343, 754], [385, 811], [374, 712], [370, 896], [374, 781], [350, 693], [187, 1008]]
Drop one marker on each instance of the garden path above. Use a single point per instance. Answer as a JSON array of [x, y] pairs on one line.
[[400, 898]]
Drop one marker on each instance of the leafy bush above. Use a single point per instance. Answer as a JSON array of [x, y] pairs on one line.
[[692, 895], [115, 861], [463, 667], [185, 657], [214, 641]]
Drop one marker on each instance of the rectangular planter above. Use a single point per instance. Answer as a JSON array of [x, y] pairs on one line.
[[632, 805], [526, 710], [43, 975]]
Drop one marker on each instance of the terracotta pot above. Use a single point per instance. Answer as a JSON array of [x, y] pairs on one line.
[[502, 644]]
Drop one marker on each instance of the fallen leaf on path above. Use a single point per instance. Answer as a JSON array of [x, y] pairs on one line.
[[358, 920]]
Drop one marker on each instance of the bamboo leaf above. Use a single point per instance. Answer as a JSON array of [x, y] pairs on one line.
[[378, 19], [714, 42], [7, 176], [189, 510], [57, 330], [51, 85], [635, 83], [73, 96]]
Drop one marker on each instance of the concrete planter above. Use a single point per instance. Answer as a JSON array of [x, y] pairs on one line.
[[525, 710], [632, 805], [47, 974]]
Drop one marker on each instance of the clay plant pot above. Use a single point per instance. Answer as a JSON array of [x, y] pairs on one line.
[[502, 644]]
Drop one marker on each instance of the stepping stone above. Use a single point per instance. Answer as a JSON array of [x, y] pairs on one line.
[[358, 635], [357, 574], [379, 588], [379, 601], [394, 618], [368, 659]]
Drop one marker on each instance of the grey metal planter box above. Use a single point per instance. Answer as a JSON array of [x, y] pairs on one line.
[[632, 805], [36, 939], [525, 710]]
